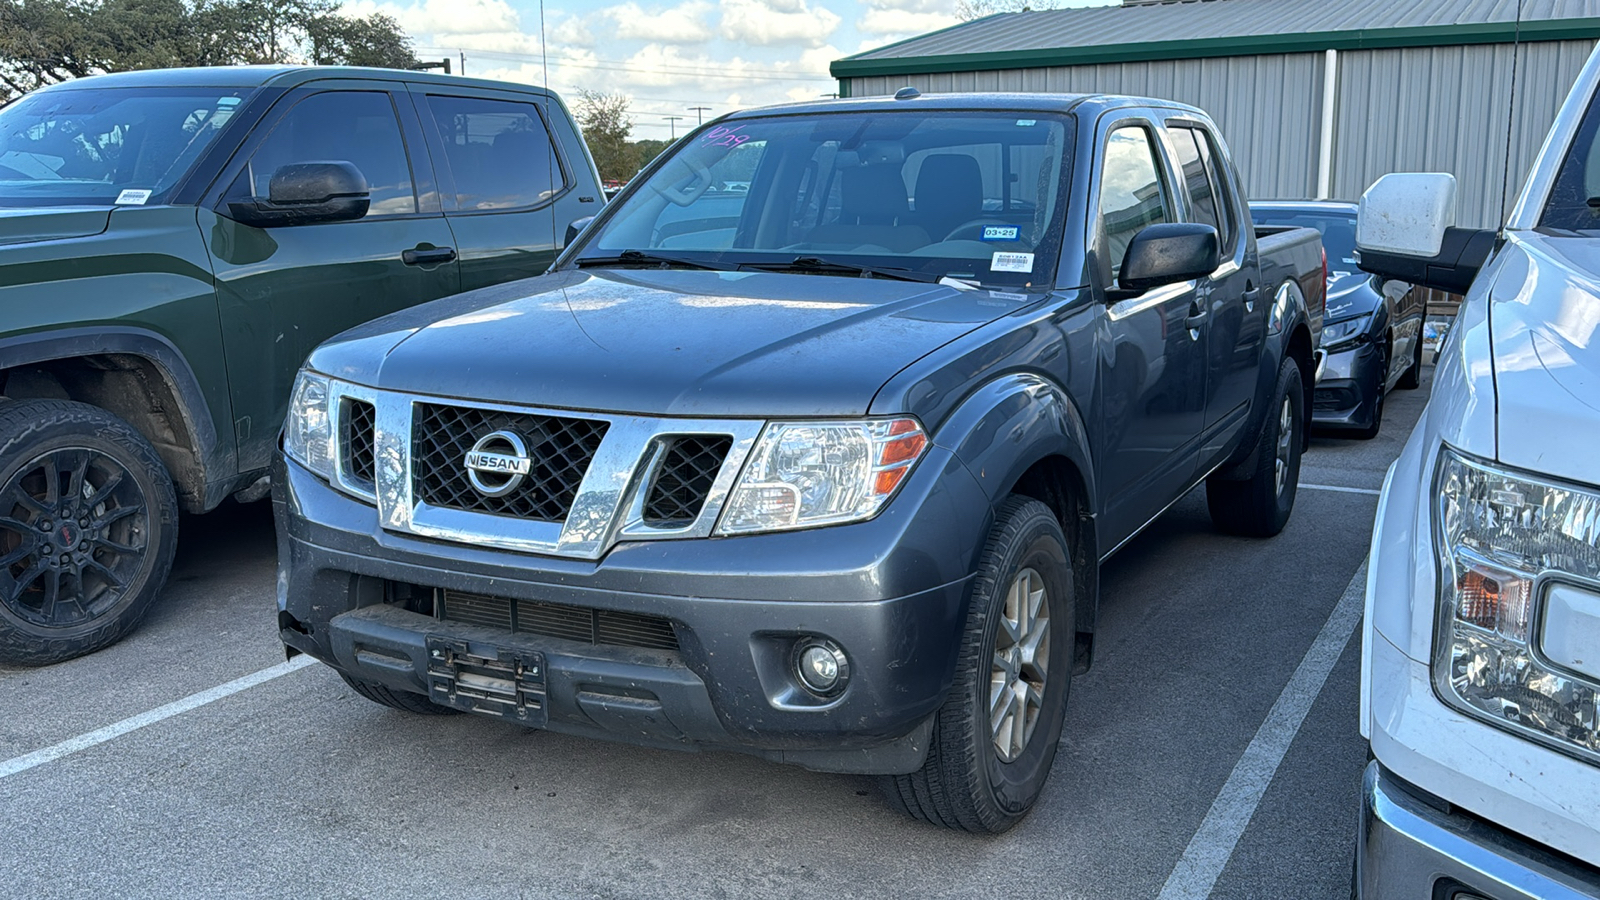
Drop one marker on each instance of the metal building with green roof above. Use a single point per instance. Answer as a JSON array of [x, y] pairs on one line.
[[1317, 98]]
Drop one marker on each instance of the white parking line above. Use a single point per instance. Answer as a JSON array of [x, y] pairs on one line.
[[1212, 846], [177, 707], [1339, 488]]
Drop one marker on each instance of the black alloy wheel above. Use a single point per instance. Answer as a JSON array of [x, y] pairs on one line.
[[88, 524]]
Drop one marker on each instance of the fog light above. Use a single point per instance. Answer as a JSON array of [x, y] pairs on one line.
[[821, 666]]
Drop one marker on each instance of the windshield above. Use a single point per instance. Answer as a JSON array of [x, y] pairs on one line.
[[1338, 233], [116, 145], [968, 195]]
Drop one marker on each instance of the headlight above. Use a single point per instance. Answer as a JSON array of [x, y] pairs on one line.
[[1519, 561], [308, 430], [1347, 332], [804, 474]]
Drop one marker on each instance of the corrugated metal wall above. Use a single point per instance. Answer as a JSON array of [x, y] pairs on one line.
[[1437, 109]]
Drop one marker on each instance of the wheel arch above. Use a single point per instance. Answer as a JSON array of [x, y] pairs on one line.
[[1023, 434], [138, 376]]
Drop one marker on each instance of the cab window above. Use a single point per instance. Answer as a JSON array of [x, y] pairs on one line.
[[499, 152], [1131, 194]]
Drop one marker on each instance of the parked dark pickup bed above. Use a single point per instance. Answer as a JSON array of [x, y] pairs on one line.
[[812, 444]]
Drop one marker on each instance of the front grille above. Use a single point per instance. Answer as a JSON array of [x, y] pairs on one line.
[[684, 480], [358, 439], [561, 450], [573, 623]]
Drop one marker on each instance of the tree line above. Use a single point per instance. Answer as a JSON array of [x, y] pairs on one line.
[[604, 121], [43, 42]]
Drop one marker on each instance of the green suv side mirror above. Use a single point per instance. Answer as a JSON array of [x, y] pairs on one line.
[[307, 193]]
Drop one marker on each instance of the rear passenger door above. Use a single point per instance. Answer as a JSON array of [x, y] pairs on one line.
[[281, 291], [505, 186], [1236, 318]]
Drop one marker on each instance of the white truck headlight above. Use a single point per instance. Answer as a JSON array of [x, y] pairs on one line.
[[805, 474], [308, 430], [1507, 542]]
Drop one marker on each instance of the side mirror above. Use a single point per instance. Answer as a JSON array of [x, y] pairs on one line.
[[1407, 213], [1168, 253], [307, 194], [575, 228], [1405, 230]]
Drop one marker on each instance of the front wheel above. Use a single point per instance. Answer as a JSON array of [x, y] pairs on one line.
[[995, 738], [88, 527], [1412, 379], [1259, 505]]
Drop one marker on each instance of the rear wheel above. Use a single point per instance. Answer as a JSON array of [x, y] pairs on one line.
[[995, 738], [88, 527], [404, 701], [1259, 505]]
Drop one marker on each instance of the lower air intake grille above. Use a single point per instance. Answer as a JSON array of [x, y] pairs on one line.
[[684, 480], [358, 436], [573, 623]]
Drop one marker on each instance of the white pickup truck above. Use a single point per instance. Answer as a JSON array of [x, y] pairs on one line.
[[1480, 669]]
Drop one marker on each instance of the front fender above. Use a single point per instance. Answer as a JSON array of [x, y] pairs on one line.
[[1003, 428]]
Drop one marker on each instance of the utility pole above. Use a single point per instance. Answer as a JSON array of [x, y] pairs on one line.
[[698, 110], [463, 62], [672, 123]]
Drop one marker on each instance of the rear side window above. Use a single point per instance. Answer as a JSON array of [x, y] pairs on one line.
[[1197, 155], [348, 126], [1131, 195], [499, 152]]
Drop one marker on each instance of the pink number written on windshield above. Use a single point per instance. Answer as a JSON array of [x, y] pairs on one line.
[[723, 137]]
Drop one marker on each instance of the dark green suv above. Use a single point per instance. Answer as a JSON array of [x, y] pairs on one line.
[[173, 243]]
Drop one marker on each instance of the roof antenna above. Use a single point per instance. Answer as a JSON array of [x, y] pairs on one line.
[[1511, 109]]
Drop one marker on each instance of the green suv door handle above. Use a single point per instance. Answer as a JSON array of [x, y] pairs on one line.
[[432, 256]]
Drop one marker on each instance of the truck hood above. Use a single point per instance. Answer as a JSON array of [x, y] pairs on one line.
[[1350, 294], [1545, 322], [25, 226], [666, 342]]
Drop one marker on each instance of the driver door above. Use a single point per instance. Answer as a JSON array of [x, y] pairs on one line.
[[1152, 362], [282, 291]]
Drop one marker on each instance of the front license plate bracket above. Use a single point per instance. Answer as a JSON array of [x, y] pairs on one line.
[[508, 684]]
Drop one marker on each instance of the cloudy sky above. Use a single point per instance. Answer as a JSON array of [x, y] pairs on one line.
[[667, 55]]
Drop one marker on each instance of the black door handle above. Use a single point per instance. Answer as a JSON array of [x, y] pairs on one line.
[[1196, 320], [431, 257]]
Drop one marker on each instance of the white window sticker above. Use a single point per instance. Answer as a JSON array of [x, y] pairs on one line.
[[133, 197], [1011, 262], [1000, 232], [1026, 122]]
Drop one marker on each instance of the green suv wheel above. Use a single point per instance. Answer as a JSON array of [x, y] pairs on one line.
[[88, 525]]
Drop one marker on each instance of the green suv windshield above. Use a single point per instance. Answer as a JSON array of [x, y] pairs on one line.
[[115, 145], [974, 196]]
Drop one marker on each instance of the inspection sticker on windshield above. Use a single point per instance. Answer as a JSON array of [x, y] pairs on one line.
[[1000, 232], [1011, 262], [133, 197]]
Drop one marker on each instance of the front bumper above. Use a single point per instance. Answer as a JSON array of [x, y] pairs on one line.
[[891, 592], [1346, 392], [1413, 847]]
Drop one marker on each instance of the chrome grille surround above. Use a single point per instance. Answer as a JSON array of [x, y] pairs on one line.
[[607, 508]]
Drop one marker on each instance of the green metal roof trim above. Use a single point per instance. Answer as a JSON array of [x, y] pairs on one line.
[[1240, 45]]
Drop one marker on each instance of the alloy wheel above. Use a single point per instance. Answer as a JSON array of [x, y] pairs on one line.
[[1285, 440], [1021, 658], [73, 530]]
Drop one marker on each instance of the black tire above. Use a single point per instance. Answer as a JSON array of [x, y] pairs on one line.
[[1412, 378], [1256, 505], [965, 782], [405, 701], [1376, 423], [88, 527]]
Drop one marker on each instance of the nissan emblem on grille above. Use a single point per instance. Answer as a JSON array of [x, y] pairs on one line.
[[497, 463]]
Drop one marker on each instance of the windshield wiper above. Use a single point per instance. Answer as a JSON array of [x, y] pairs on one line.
[[641, 258], [814, 265]]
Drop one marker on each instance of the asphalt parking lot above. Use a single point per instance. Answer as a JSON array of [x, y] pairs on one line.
[[1211, 750]]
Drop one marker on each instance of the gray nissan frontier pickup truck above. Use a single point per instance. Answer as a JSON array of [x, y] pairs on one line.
[[812, 443]]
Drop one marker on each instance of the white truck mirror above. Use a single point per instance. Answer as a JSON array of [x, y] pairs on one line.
[[1407, 213]]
